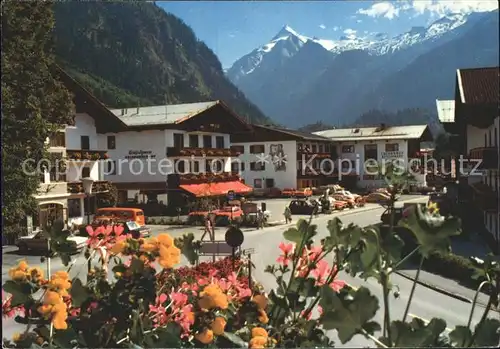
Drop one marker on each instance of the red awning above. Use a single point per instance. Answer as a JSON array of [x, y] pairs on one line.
[[216, 189]]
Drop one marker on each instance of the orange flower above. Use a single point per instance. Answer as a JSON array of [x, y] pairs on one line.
[[61, 274], [17, 275], [212, 297], [45, 309], [52, 298], [259, 332], [169, 256], [23, 265], [218, 326], [263, 317], [149, 247], [221, 301], [258, 342], [36, 274], [261, 301], [165, 240], [205, 337]]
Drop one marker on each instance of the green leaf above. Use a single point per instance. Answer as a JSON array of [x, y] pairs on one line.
[[293, 235], [350, 312], [305, 287], [137, 266], [236, 340], [327, 297], [20, 292], [65, 338], [460, 336], [417, 333], [279, 301], [79, 293], [169, 337], [488, 334], [432, 232]]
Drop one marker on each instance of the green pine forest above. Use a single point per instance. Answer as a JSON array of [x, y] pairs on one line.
[[131, 54]]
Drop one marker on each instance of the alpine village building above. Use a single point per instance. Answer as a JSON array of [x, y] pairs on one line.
[[475, 125]]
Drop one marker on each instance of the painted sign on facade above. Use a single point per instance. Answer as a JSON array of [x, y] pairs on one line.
[[140, 154], [278, 157], [392, 154]]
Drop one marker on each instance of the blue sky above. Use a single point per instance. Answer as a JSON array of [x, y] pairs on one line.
[[234, 28]]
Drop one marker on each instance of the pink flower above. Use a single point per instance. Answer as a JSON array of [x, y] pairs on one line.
[[287, 251], [309, 315], [118, 229], [179, 299], [321, 272]]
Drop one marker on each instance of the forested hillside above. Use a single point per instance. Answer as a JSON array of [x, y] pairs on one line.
[[135, 54]]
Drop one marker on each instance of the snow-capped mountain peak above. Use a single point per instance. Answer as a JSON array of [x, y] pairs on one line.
[[286, 32]]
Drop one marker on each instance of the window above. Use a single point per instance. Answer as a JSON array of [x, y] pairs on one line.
[[257, 183], [58, 140], [86, 172], [242, 167], [207, 141], [314, 148], [56, 176], [219, 142], [180, 166], [238, 149], [208, 165], [269, 182], [489, 138], [257, 149], [391, 147], [371, 151], [348, 149], [85, 142], [218, 165], [111, 168], [194, 141], [321, 149], [235, 167], [195, 167], [257, 166], [327, 148], [178, 140], [111, 142], [74, 209], [496, 138]]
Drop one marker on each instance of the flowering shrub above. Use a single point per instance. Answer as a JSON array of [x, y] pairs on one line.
[[150, 304]]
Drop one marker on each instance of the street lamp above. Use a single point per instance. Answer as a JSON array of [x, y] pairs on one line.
[[87, 188]]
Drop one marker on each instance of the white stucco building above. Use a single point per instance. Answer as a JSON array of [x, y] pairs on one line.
[[158, 141], [366, 147], [272, 157]]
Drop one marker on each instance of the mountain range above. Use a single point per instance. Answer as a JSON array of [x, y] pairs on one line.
[[294, 78], [132, 53]]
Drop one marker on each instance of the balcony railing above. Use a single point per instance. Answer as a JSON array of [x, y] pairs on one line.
[[487, 155], [86, 155], [199, 152], [192, 178], [97, 187]]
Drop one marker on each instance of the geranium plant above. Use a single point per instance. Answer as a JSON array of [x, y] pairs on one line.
[[148, 303]]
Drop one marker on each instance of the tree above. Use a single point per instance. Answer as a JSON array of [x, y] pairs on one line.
[[34, 104]]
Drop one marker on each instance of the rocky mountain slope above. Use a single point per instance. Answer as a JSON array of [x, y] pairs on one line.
[[132, 53], [339, 80]]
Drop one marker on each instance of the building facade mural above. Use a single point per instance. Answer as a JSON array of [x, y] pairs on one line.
[[278, 156]]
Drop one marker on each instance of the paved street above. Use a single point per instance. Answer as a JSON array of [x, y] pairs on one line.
[[426, 303]]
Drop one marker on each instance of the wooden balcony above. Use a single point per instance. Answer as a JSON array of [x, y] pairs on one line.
[[192, 178], [97, 187], [200, 152], [86, 155], [487, 155]]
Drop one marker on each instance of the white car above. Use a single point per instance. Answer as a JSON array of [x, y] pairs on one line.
[[37, 241], [348, 194]]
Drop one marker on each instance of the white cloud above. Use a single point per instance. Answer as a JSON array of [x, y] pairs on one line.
[[322, 26], [359, 21], [336, 28], [381, 9], [437, 8]]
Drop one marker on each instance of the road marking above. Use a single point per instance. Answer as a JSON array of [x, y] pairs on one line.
[[426, 321]]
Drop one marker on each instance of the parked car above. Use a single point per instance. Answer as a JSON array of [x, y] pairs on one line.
[[304, 207], [377, 198], [38, 241], [351, 203]]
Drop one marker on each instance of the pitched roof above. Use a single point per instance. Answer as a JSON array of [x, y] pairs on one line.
[[105, 120], [479, 85], [161, 114], [446, 110], [294, 133], [374, 133]]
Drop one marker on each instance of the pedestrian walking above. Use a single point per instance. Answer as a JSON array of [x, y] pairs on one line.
[[288, 215], [260, 219]]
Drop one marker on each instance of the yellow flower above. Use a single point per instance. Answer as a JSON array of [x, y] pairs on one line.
[[45, 309], [169, 256], [263, 317], [16, 337], [23, 265], [148, 247], [258, 342], [61, 274], [36, 274], [119, 247], [17, 275], [212, 297], [205, 337], [218, 326], [52, 298], [259, 332], [60, 312], [165, 240]]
